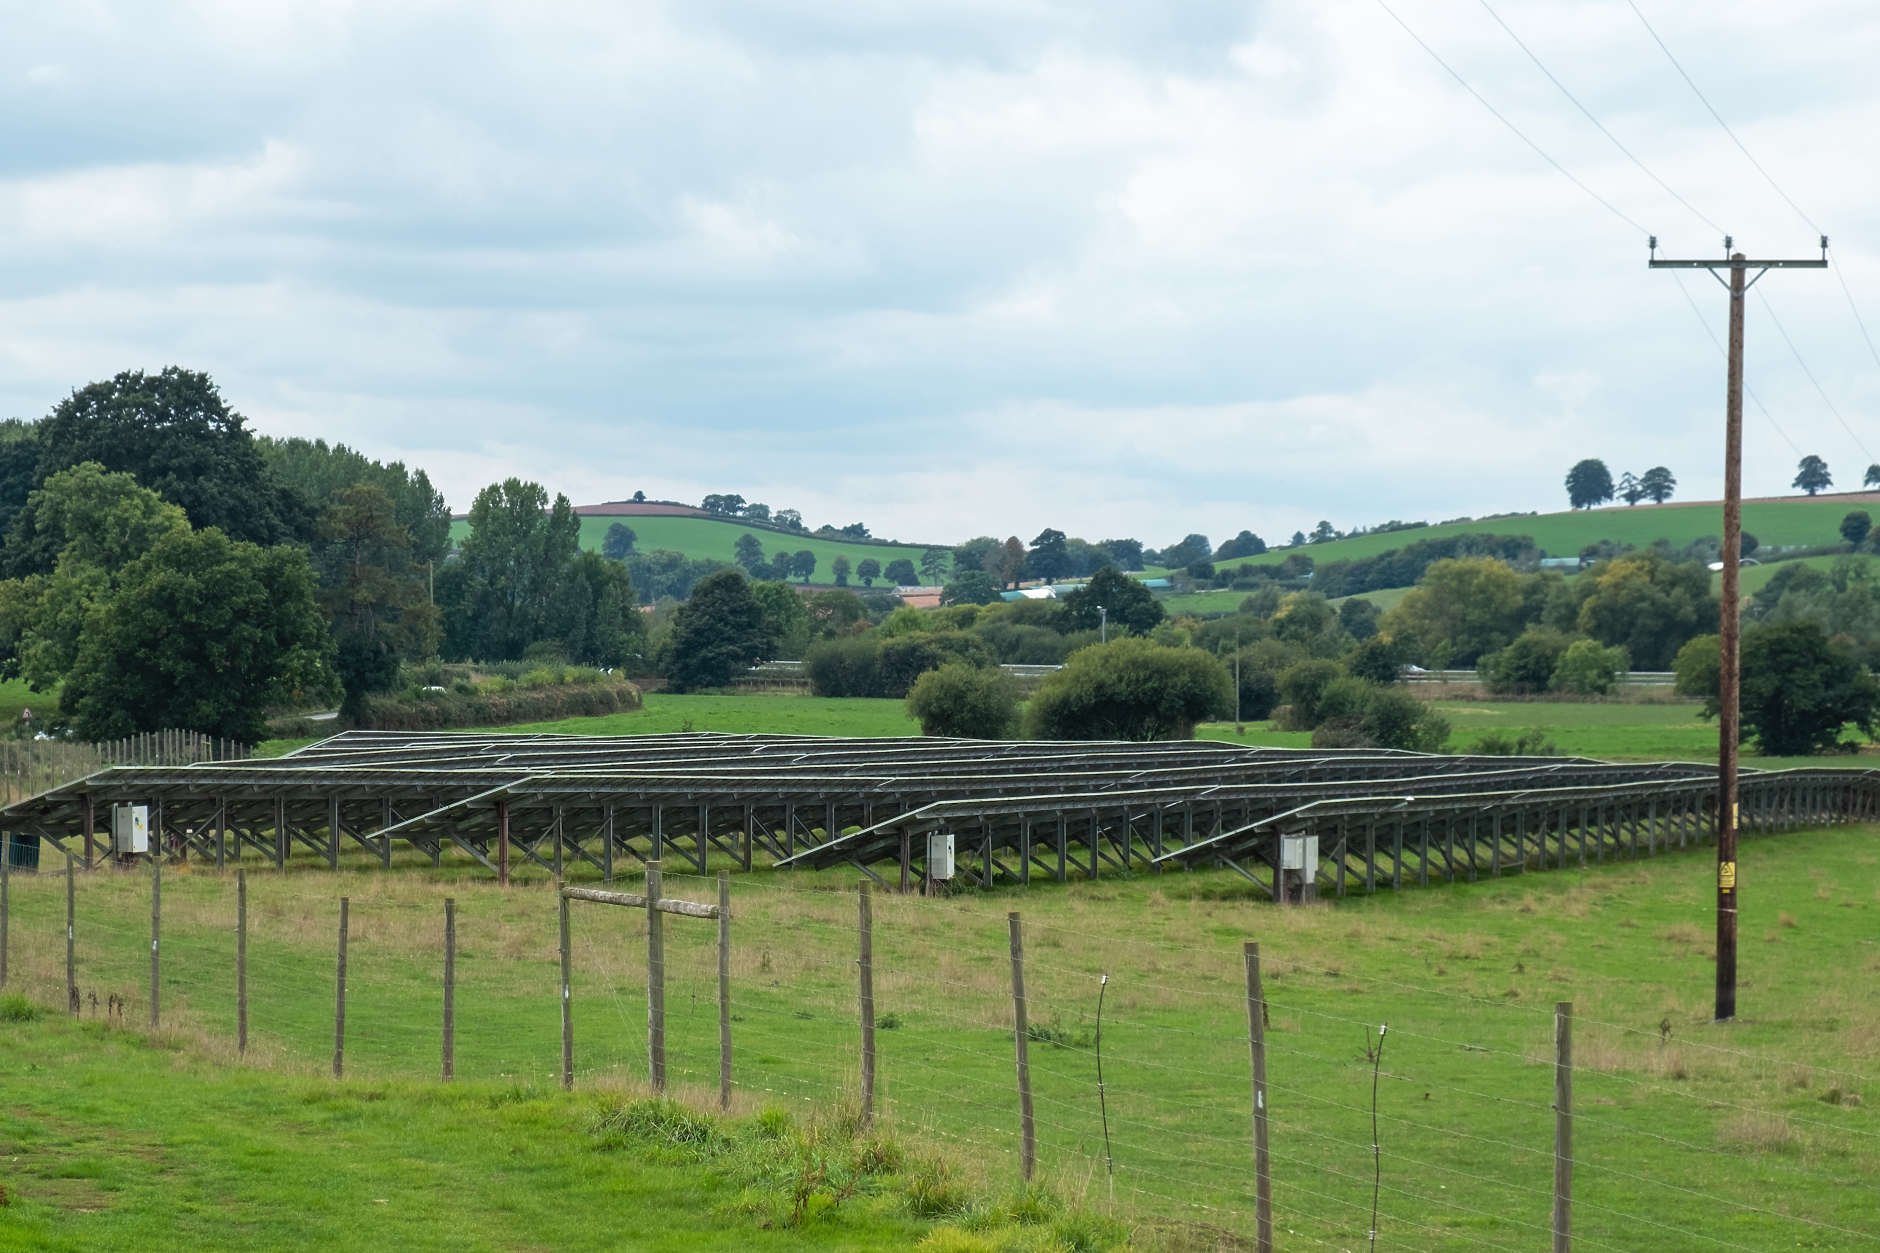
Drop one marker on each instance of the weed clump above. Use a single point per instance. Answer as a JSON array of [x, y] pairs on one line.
[[14, 1007]]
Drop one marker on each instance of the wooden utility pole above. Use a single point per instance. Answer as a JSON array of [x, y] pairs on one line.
[[1729, 675]]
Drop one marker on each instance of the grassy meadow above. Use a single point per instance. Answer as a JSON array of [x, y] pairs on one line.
[[1762, 1133]]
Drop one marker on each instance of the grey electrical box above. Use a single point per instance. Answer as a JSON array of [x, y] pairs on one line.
[[940, 855], [1301, 853], [130, 828]]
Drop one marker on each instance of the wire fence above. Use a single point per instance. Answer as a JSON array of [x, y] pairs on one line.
[[1679, 1143]]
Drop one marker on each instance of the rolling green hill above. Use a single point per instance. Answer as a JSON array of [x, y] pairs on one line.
[[1800, 521], [700, 538]]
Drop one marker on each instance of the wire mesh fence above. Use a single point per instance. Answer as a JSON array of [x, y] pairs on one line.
[[1445, 1142]]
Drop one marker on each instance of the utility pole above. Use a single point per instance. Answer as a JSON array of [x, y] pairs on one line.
[[1730, 672], [1104, 627]]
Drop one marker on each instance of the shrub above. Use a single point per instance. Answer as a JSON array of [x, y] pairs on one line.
[[14, 1007], [496, 703], [1359, 714], [844, 667], [1586, 669], [1532, 742], [903, 659], [959, 700], [1799, 688], [1376, 659], [1129, 689], [1303, 687], [1526, 666]]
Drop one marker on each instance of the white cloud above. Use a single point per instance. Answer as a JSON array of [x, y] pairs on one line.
[[948, 267]]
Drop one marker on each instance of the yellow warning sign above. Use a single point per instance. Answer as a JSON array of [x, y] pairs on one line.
[[1726, 875]]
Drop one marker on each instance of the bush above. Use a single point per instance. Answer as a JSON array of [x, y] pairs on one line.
[[496, 703], [1303, 686], [1129, 689], [1360, 714], [959, 700], [903, 659], [1589, 670], [1532, 742], [849, 666], [1799, 688], [1526, 667], [1377, 659]]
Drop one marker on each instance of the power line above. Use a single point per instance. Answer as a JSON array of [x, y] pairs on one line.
[[1726, 126], [1596, 122], [1541, 152], [1761, 408], [1811, 376]]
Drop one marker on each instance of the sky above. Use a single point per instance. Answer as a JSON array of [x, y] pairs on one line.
[[957, 267]]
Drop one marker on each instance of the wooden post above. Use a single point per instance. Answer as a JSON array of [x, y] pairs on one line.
[[1021, 1035], [90, 826], [567, 1001], [450, 989], [1256, 1042], [71, 935], [1563, 1127], [241, 963], [339, 997], [156, 923], [502, 842], [6, 877], [655, 981], [724, 989], [867, 964]]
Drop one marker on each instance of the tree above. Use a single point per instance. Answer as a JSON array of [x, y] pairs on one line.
[[1193, 547], [1359, 617], [789, 519], [1376, 659], [1589, 670], [1854, 527], [837, 612], [1298, 539], [974, 555], [1646, 605], [1132, 607], [970, 587], [933, 564], [1129, 689], [748, 552], [729, 506], [1008, 564], [317, 471], [1589, 483], [964, 702], [848, 666], [855, 530], [1474, 603], [638, 497], [757, 513], [1799, 688], [717, 634], [1811, 475], [174, 433], [803, 564], [900, 572], [786, 620], [902, 659], [1322, 534], [839, 568], [1657, 483], [1048, 559], [1245, 544], [377, 603], [204, 633], [1526, 667], [508, 589], [868, 570], [618, 543], [1873, 477], [1631, 490]]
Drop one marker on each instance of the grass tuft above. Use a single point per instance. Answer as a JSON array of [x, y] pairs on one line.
[[14, 1007]]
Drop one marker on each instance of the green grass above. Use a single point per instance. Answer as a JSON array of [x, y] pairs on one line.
[[700, 538], [759, 714], [1799, 521], [1687, 1131]]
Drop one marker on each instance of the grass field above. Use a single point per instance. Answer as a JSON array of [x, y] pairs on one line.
[[1798, 521], [700, 538], [1760, 1134]]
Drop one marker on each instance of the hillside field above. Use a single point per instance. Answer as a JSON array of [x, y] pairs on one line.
[[111, 1142], [710, 538]]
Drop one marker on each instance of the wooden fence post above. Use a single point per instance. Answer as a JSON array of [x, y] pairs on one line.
[[655, 980], [866, 962], [450, 988], [567, 999], [1256, 1041], [241, 963], [1021, 1035], [724, 989], [339, 998], [1563, 1127], [71, 935], [156, 925]]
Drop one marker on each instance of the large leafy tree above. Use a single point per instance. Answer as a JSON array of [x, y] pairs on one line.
[[318, 470], [1657, 484], [1129, 689], [377, 601], [1811, 475], [205, 633], [1473, 603], [617, 544], [173, 432], [717, 634], [1133, 608], [1049, 558], [1799, 687], [900, 572], [964, 701], [1589, 483], [1646, 605], [508, 585], [868, 570]]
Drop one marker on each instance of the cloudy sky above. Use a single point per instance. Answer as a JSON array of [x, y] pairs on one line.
[[956, 266]]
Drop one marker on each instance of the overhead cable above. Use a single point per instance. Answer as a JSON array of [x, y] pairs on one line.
[[1686, 292], [1811, 376], [1607, 204]]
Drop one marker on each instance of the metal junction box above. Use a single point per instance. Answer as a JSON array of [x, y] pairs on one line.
[[940, 855], [1301, 853], [130, 828]]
